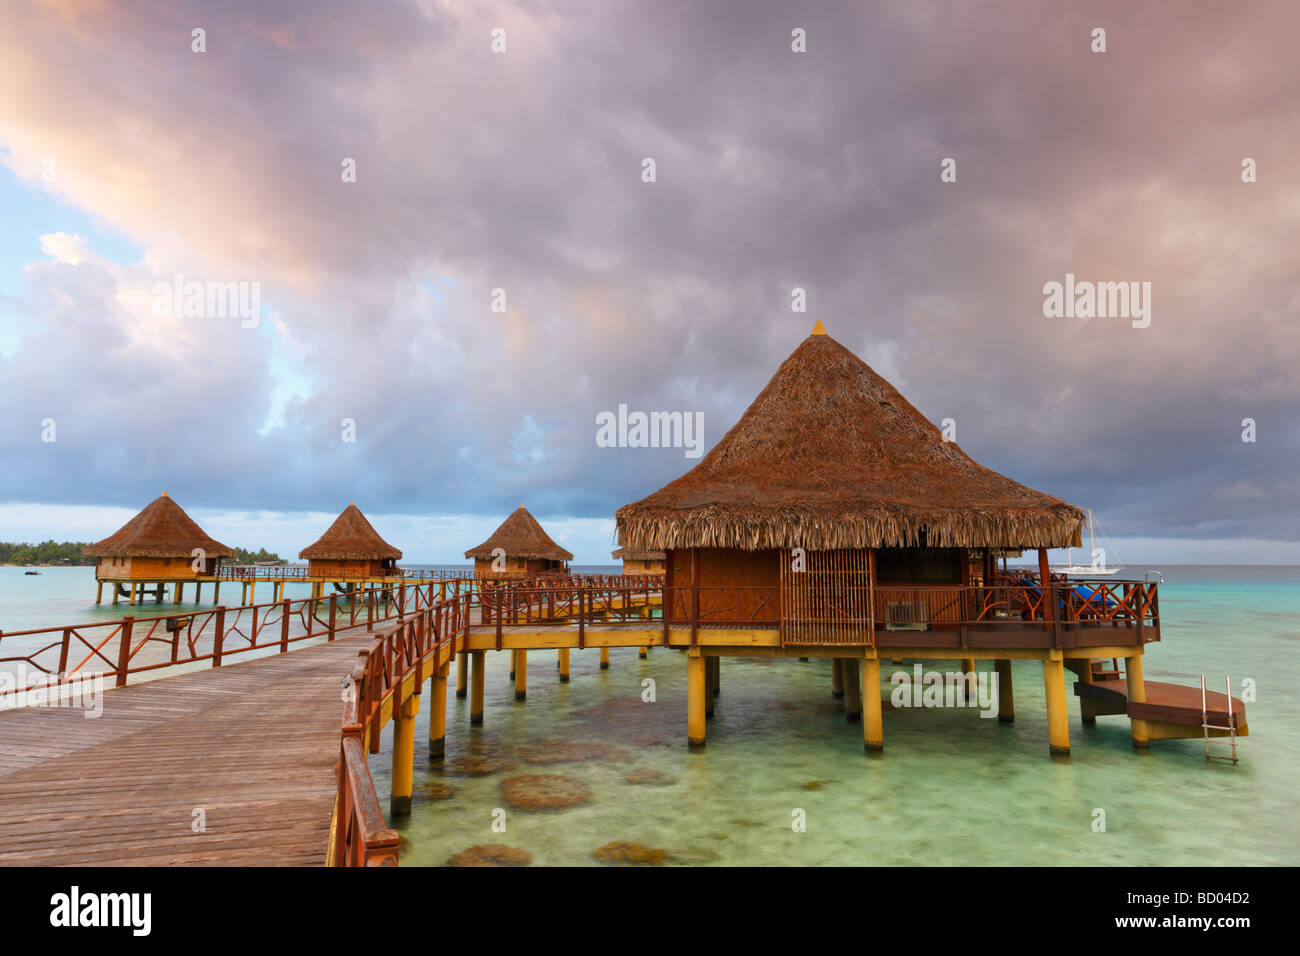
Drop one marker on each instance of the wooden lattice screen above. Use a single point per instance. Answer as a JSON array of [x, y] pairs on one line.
[[830, 601]]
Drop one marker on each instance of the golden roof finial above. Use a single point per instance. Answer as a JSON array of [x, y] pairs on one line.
[[819, 329], [164, 494]]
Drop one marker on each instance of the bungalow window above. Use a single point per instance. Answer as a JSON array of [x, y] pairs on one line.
[[926, 565]]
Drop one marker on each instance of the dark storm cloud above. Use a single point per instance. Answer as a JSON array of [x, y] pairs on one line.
[[774, 170]]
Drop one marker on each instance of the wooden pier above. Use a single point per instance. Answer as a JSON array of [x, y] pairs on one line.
[[252, 747]]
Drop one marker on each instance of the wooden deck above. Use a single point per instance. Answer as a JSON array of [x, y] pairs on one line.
[[253, 743], [1170, 706]]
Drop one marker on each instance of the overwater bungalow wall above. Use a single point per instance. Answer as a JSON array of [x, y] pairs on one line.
[[736, 586], [151, 569], [642, 567], [344, 570], [516, 567]]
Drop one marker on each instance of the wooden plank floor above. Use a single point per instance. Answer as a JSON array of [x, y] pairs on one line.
[[252, 743]]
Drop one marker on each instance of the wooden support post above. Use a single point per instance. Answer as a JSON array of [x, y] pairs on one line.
[[644, 652], [180, 590], [252, 591], [216, 592], [514, 663], [695, 697], [476, 688], [837, 677], [1045, 590], [116, 589], [133, 587], [438, 715], [198, 591], [710, 670], [852, 690], [1137, 694], [99, 591], [604, 658], [873, 725], [403, 755], [462, 675], [1006, 702], [1087, 710], [968, 666], [564, 665], [521, 674], [1058, 730]]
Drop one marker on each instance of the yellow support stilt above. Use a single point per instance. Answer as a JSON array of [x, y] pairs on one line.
[[1086, 709], [438, 715], [873, 725], [133, 587], [695, 681], [852, 690], [99, 591], [564, 665], [1137, 694], [1006, 702], [1058, 730], [180, 590], [710, 672], [462, 675], [476, 688], [521, 674], [644, 652], [837, 677], [403, 755], [604, 658], [514, 663]]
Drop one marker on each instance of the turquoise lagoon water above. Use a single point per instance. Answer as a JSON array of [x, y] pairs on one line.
[[951, 788]]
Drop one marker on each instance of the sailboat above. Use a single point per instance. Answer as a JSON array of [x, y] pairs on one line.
[[1098, 566]]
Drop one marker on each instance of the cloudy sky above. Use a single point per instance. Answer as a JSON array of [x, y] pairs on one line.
[[128, 159]]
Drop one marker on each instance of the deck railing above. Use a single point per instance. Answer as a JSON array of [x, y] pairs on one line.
[[301, 572], [130, 646], [413, 648]]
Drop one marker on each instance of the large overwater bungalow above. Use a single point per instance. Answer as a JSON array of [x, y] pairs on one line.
[[519, 547], [160, 546], [350, 553], [835, 520]]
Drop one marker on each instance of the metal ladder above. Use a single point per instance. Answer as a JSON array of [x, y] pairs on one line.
[[1206, 726]]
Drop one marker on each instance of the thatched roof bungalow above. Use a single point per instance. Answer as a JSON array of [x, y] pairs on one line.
[[640, 561], [350, 549], [157, 544], [525, 549], [831, 459]]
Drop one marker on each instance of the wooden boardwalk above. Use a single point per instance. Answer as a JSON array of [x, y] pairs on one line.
[[252, 743]]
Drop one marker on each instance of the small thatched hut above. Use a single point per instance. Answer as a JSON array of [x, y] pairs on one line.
[[637, 561], [831, 459], [520, 547], [158, 544], [351, 549]]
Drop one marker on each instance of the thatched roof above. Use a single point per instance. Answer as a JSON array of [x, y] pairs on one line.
[[634, 554], [350, 538], [162, 529], [520, 536], [830, 455]]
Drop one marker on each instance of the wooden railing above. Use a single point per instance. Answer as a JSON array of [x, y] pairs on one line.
[[300, 572], [136, 645], [413, 648], [361, 836]]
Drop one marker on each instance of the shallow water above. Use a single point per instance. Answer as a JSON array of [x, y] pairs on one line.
[[951, 787]]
